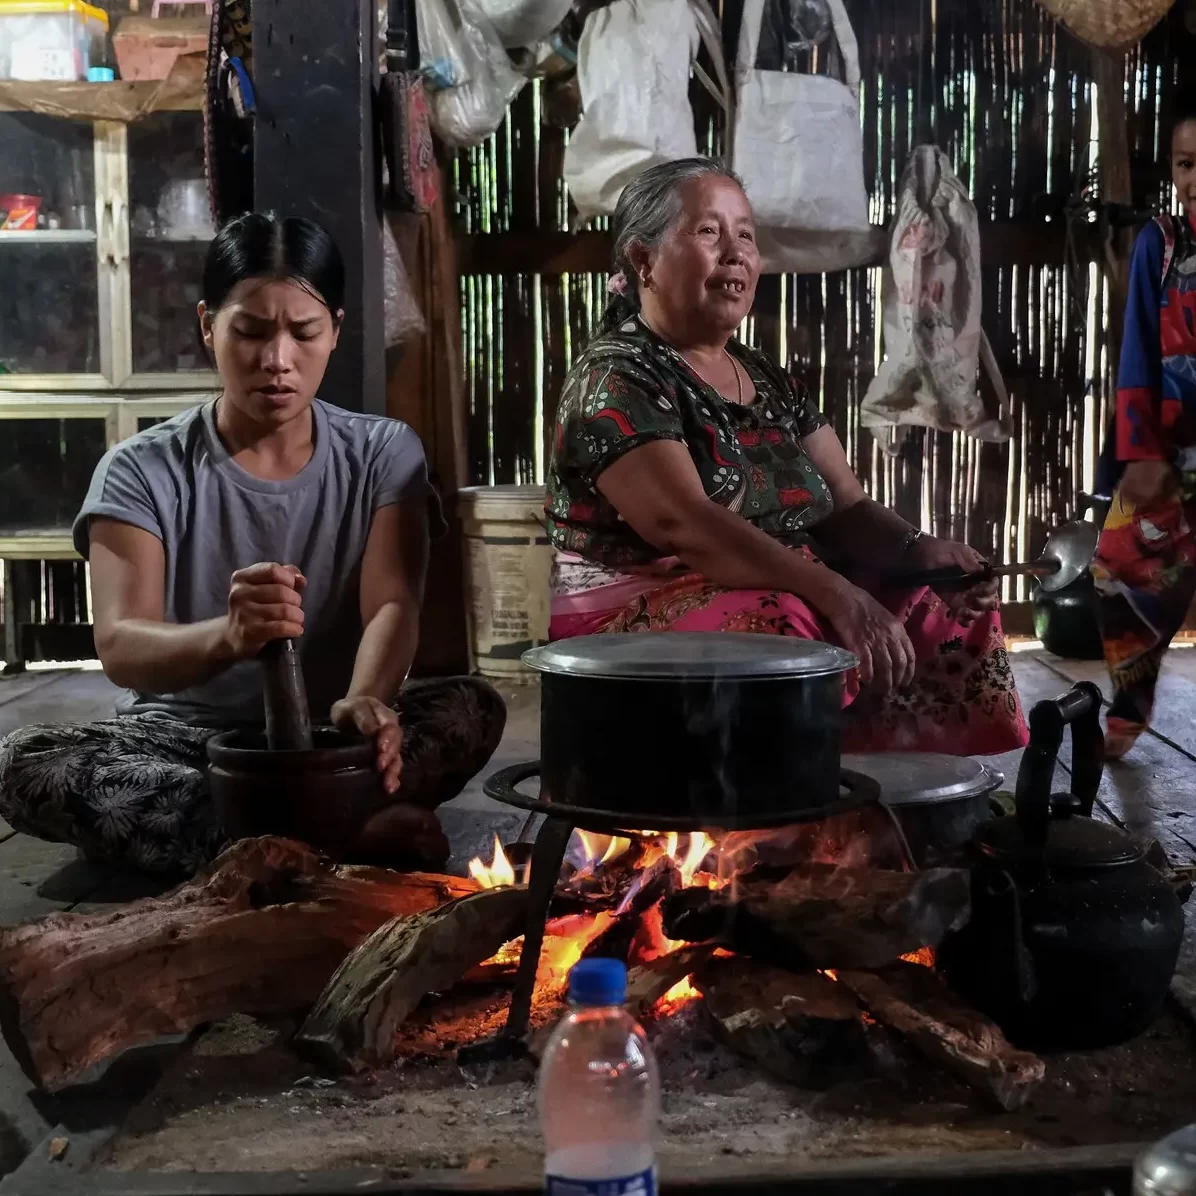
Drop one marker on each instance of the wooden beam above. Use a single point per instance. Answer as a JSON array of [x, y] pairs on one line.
[[1002, 243], [315, 73]]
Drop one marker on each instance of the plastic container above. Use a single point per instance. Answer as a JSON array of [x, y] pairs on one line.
[[50, 40], [18, 213], [508, 567], [599, 1092], [146, 47]]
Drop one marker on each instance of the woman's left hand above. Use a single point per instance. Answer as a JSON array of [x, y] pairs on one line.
[[929, 552], [377, 721]]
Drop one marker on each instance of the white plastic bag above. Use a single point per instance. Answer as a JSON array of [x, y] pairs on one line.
[[467, 111], [931, 299], [441, 51], [521, 23], [633, 67], [798, 145]]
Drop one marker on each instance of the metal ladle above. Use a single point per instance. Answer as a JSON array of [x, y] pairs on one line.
[[1068, 552]]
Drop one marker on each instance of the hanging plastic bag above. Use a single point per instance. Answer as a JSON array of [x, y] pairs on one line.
[[933, 340], [401, 317], [633, 67], [468, 111], [524, 22], [442, 51], [798, 145]]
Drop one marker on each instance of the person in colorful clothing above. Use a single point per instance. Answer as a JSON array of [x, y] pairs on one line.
[[693, 487], [1145, 566]]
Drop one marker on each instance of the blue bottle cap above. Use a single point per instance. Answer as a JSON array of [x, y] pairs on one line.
[[597, 982], [101, 74]]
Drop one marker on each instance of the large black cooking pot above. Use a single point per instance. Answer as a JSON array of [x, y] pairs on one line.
[[722, 728]]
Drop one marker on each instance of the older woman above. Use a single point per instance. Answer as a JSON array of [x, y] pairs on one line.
[[692, 487]]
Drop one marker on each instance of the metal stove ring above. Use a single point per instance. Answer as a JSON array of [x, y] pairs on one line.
[[503, 785]]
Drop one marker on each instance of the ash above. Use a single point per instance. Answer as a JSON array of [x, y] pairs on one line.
[[242, 1100]]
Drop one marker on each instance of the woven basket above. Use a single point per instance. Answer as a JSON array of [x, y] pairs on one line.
[[1108, 24]]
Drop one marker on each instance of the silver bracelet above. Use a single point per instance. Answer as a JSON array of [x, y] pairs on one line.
[[911, 538]]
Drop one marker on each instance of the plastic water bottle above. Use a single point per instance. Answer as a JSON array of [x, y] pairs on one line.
[[1168, 1168], [599, 1092]]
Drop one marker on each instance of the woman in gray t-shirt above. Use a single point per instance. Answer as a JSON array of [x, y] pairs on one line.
[[265, 514]]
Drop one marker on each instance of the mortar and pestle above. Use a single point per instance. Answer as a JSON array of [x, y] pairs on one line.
[[319, 785]]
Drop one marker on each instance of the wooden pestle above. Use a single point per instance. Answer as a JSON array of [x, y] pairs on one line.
[[288, 722]]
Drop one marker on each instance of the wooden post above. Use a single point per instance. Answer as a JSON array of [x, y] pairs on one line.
[[315, 73]]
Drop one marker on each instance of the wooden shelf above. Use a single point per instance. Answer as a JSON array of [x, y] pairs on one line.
[[121, 102], [48, 236]]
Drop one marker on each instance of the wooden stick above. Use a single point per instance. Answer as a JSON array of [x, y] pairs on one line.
[[352, 1025], [915, 1002], [260, 932]]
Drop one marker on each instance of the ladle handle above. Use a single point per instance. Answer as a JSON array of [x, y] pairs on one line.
[[951, 576], [288, 723]]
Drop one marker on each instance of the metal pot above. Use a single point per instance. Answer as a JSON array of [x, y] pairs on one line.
[[1067, 621], [1074, 936], [717, 728], [940, 801]]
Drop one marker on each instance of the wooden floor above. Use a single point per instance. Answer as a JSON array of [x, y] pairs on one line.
[[1153, 793]]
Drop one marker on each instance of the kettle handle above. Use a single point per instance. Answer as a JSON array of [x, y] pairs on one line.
[[1079, 708]]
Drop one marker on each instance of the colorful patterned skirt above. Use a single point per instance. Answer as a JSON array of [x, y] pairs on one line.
[[963, 700]]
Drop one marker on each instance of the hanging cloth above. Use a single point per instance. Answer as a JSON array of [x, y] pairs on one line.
[[934, 344]]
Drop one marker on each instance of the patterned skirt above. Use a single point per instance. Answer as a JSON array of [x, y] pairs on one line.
[[963, 699]]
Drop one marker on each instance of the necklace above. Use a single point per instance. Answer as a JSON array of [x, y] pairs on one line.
[[738, 378]]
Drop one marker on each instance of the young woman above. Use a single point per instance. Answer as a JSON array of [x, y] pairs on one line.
[[692, 487], [262, 515], [1145, 566]]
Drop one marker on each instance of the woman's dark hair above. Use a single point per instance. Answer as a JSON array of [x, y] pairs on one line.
[[646, 210], [265, 245]]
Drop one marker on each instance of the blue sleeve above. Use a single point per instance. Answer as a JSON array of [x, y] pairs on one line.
[[401, 472], [1140, 432]]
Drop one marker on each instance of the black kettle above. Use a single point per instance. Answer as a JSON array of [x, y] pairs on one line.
[[1074, 936]]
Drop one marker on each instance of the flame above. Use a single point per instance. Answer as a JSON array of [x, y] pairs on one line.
[[497, 874], [600, 849], [700, 844], [680, 994], [923, 956]]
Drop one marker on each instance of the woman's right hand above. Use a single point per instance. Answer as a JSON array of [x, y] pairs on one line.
[[264, 603], [1146, 482], [866, 628]]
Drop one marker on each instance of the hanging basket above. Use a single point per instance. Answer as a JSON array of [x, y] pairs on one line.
[[1108, 24]]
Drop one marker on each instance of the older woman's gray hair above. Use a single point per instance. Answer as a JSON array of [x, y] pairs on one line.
[[647, 209]]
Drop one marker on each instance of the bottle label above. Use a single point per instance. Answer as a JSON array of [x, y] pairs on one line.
[[643, 1184]]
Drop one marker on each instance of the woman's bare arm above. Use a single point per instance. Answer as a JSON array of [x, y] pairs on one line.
[[859, 530], [658, 492], [141, 651]]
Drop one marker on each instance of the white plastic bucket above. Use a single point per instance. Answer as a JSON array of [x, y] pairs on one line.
[[508, 563]]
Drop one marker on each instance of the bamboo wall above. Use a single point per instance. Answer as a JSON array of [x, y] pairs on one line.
[[1009, 96]]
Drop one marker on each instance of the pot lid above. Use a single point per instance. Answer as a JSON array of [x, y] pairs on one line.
[[671, 655], [1074, 843], [923, 778]]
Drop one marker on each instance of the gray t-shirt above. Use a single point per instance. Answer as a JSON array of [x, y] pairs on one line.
[[177, 481]]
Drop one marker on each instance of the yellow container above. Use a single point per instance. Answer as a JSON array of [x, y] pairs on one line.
[[508, 566], [49, 40]]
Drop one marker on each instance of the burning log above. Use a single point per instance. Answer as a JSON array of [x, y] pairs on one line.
[[914, 1001], [648, 982], [825, 917], [260, 932], [352, 1026], [654, 884], [805, 1030]]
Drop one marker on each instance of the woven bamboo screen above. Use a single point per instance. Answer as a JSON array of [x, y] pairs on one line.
[[1007, 94]]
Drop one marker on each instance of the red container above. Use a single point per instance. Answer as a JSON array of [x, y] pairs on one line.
[[19, 212]]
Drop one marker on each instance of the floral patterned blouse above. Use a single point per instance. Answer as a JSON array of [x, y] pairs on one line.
[[630, 388]]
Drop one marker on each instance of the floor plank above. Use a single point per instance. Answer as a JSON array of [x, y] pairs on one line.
[[81, 696]]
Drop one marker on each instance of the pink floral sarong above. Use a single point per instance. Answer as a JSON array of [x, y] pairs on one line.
[[963, 700]]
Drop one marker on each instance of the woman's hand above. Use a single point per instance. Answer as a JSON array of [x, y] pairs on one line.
[[929, 552], [265, 603], [1147, 482], [873, 634], [377, 721]]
